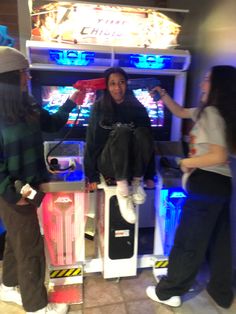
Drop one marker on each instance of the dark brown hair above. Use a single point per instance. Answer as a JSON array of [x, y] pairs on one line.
[[15, 105], [223, 96]]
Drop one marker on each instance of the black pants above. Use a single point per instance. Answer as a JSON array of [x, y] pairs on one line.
[[24, 259], [127, 153], [204, 231]]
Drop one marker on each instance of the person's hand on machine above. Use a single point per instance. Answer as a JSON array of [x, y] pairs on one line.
[[91, 186], [149, 184]]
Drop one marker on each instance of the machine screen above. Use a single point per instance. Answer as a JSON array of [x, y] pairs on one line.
[[55, 96], [155, 109]]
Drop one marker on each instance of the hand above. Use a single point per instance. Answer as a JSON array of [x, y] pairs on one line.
[[26, 191], [162, 92], [149, 184], [78, 96], [183, 167], [91, 187], [22, 202]]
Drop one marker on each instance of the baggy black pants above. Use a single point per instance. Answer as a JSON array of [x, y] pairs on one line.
[[127, 153], [24, 259], [204, 230]]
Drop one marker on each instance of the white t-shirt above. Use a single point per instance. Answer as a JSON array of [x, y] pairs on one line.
[[208, 129]]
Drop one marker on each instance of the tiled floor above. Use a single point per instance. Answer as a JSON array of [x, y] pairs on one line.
[[127, 296]]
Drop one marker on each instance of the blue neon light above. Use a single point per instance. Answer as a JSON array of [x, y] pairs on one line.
[[172, 200], [67, 176], [71, 57], [163, 196], [144, 61], [177, 194]]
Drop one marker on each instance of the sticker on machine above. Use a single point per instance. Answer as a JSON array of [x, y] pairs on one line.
[[122, 233]]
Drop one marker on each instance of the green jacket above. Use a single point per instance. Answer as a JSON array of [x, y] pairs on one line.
[[22, 152]]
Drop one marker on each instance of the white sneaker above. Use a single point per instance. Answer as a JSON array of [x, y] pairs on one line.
[[42, 311], [57, 308], [10, 294], [138, 194], [127, 209], [52, 308], [174, 301]]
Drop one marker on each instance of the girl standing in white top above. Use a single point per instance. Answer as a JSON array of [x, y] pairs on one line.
[[204, 228]]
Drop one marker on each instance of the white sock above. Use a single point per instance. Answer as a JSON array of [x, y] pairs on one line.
[[136, 181], [123, 187]]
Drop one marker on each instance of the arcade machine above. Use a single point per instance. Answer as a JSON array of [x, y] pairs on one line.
[[74, 49], [62, 218]]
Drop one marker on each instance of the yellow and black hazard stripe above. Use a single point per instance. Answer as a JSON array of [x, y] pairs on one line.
[[62, 273], [161, 264]]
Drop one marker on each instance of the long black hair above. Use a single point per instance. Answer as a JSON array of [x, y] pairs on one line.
[[15, 105], [107, 101], [222, 95]]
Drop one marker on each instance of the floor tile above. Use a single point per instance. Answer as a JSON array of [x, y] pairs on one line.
[[147, 307], [193, 303], [76, 309], [75, 312], [134, 288], [10, 308], [99, 291], [127, 296], [108, 309]]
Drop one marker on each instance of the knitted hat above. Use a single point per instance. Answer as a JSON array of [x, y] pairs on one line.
[[12, 60]]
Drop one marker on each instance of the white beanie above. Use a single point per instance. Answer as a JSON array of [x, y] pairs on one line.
[[12, 60]]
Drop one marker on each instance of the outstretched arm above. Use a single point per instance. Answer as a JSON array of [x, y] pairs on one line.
[[54, 122], [171, 104]]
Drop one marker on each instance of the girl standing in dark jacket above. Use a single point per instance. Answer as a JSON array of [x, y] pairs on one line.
[[22, 159]]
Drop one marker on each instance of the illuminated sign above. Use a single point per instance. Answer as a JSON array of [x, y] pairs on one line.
[[83, 23], [177, 194], [148, 61], [71, 57]]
